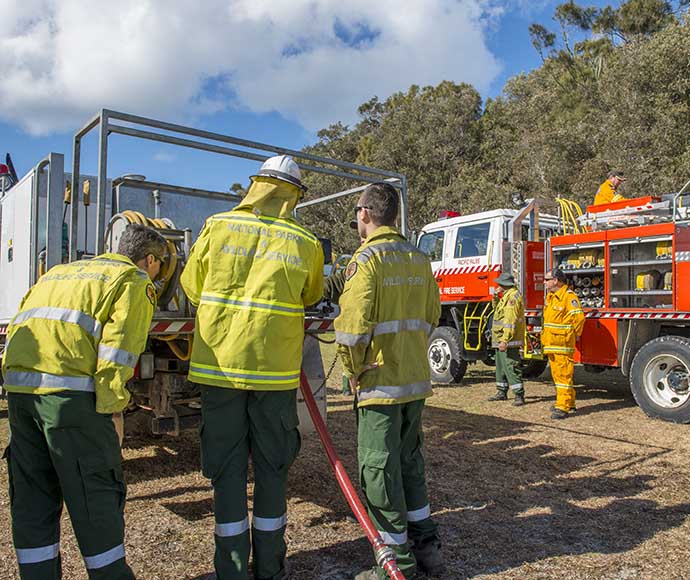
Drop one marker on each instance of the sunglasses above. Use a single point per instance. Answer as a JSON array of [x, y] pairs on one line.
[[358, 207]]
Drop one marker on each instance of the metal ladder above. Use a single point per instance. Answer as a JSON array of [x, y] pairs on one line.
[[480, 318]]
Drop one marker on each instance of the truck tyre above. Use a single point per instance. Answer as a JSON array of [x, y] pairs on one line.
[[444, 356], [533, 367], [660, 378]]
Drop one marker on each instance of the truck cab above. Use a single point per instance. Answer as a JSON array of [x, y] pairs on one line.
[[467, 254]]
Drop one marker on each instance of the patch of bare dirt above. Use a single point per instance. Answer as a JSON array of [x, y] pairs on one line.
[[604, 494]]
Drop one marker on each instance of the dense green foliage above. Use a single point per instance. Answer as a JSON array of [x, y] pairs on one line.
[[613, 92]]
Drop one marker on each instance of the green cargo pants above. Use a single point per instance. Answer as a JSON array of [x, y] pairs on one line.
[[235, 425], [62, 450], [391, 468], [508, 371]]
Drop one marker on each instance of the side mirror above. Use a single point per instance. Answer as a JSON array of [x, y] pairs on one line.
[[327, 250]]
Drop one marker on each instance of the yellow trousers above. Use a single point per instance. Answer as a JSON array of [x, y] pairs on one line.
[[562, 368]]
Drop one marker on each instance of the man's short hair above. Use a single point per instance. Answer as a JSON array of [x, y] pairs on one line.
[[559, 275], [138, 241], [381, 199]]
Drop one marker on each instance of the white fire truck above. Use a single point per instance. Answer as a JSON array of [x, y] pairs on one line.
[[50, 217], [628, 261]]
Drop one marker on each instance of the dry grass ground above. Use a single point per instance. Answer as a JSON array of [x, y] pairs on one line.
[[602, 495]]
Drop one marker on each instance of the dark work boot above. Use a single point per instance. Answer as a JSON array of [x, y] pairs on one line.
[[519, 400], [558, 414], [499, 396], [429, 557]]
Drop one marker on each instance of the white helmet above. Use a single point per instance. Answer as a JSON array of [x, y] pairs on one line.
[[282, 167]]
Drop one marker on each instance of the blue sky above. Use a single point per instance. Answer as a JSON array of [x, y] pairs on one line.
[[265, 70]]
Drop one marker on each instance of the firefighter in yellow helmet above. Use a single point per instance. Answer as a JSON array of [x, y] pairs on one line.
[[608, 191], [70, 351], [251, 272], [389, 306], [507, 336], [563, 323]]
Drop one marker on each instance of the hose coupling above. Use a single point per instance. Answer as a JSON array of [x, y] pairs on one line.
[[384, 554]]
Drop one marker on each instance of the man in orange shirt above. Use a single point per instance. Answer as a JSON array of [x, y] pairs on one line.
[[607, 190]]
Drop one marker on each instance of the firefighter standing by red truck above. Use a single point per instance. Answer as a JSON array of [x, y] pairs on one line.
[[564, 320], [507, 335]]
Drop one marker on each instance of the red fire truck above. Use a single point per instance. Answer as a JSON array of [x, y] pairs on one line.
[[628, 262]]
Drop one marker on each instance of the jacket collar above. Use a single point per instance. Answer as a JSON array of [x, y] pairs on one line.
[[116, 258], [382, 232], [560, 293]]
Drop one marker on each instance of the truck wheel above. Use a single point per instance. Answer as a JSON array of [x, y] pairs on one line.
[[660, 378], [533, 367], [444, 356]]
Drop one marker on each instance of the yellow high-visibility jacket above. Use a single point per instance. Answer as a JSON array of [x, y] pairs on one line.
[[563, 322], [81, 327], [251, 272], [607, 194], [389, 306], [509, 320]]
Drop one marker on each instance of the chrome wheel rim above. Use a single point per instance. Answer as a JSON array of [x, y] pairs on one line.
[[666, 381], [439, 356]]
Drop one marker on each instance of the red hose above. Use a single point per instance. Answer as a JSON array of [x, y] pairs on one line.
[[385, 556]]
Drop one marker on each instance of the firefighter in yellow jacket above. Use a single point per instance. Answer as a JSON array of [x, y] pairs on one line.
[[608, 191], [251, 273], [389, 306], [507, 336], [70, 351], [563, 323]]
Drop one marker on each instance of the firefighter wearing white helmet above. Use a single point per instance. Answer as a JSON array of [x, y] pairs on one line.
[[251, 272], [284, 168]]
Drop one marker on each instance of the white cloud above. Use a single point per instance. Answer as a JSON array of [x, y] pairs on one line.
[[163, 157], [311, 61]]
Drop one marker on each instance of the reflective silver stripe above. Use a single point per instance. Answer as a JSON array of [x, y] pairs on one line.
[[232, 528], [393, 539], [420, 514], [269, 524], [501, 384], [554, 325], [31, 379], [370, 251], [558, 349], [394, 392], [282, 378], [117, 355], [562, 386], [88, 323], [516, 387], [348, 339], [105, 558], [250, 304], [35, 555], [392, 326]]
